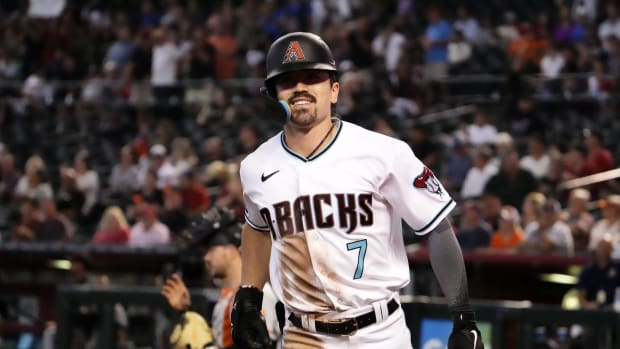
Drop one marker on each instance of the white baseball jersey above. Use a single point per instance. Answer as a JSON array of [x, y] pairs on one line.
[[335, 218]]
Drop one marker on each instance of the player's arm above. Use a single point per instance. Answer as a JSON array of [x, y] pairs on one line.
[[248, 328], [447, 261], [255, 253]]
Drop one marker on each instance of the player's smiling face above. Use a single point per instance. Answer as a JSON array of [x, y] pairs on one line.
[[309, 94]]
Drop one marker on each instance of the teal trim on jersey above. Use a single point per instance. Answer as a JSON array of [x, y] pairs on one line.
[[305, 159], [436, 216], [254, 225]]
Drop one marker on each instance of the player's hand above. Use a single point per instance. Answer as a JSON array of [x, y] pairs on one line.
[[176, 293], [465, 334], [248, 328]]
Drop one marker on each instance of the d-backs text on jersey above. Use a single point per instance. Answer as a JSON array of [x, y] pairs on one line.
[[321, 211]]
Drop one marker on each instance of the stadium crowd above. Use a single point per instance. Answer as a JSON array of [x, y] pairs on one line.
[[120, 121]]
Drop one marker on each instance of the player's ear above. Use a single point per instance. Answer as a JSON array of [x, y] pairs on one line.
[[334, 92]]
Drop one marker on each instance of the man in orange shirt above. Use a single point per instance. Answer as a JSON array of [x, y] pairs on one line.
[[509, 234]]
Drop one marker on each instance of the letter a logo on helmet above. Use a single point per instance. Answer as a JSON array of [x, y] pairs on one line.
[[293, 53]]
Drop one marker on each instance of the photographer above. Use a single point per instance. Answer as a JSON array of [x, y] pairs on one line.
[[218, 233]]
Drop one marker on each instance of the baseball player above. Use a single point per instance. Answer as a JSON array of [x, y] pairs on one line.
[[219, 232], [324, 202]]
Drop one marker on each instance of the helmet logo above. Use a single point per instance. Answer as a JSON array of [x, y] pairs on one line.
[[293, 53]]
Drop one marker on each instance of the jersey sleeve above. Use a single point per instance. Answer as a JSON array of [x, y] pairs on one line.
[[252, 211], [413, 191]]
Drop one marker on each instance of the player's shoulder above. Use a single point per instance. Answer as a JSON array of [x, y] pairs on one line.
[[370, 139]]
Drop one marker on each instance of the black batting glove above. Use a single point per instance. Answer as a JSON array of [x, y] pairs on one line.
[[248, 328], [465, 334]]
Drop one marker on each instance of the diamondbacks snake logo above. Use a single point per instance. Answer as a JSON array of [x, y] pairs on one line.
[[293, 53], [427, 180]]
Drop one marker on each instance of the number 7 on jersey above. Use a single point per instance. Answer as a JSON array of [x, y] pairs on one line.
[[361, 244]]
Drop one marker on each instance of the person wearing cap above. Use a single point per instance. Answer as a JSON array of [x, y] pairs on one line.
[[474, 232], [218, 233], [599, 280], [148, 231], [578, 218], [510, 234], [608, 224], [479, 174], [550, 234]]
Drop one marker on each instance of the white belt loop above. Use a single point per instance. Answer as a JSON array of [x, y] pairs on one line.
[[381, 310], [308, 323]]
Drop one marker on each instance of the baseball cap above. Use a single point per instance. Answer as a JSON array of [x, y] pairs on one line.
[[216, 227], [158, 150], [510, 213]]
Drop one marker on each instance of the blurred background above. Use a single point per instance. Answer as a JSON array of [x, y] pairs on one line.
[[118, 117]]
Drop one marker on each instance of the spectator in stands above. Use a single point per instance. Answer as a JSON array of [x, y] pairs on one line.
[[550, 235], [504, 144], [492, 205], [389, 45], [121, 50], [598, 158], [509, 235], [200, 62], [425, 149], [148, 231], [84, 331], [552, 62], [529, 46], [459, 53], [166, 56], [479, 174], [87, 181], [28, 225], [466, 24], [532, 205], [196, 198], [598, 281], [481, 131], [608, 225], [225, 44], [456, 165], [123, 180], [360, 39], [113, 228], [9, 177], [600, 84], [55, 226], [182, 156], [167, 174], [435, 41], [173, 213], [578, 218], [573, 163], [149, 192], [507, 30], [511, 183], [248, 139], [565, 28], [212, 149], [473, 232], [537, 161], [34, 184], [231, 195], [610, 27], [525, 120]]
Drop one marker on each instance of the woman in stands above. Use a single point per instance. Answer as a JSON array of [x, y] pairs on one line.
[[113, 227]]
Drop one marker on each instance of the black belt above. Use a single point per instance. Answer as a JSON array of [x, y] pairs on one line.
[[346, 326]]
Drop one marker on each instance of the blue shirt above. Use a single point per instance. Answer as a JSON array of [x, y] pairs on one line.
[[593, 278], [439, 31]]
